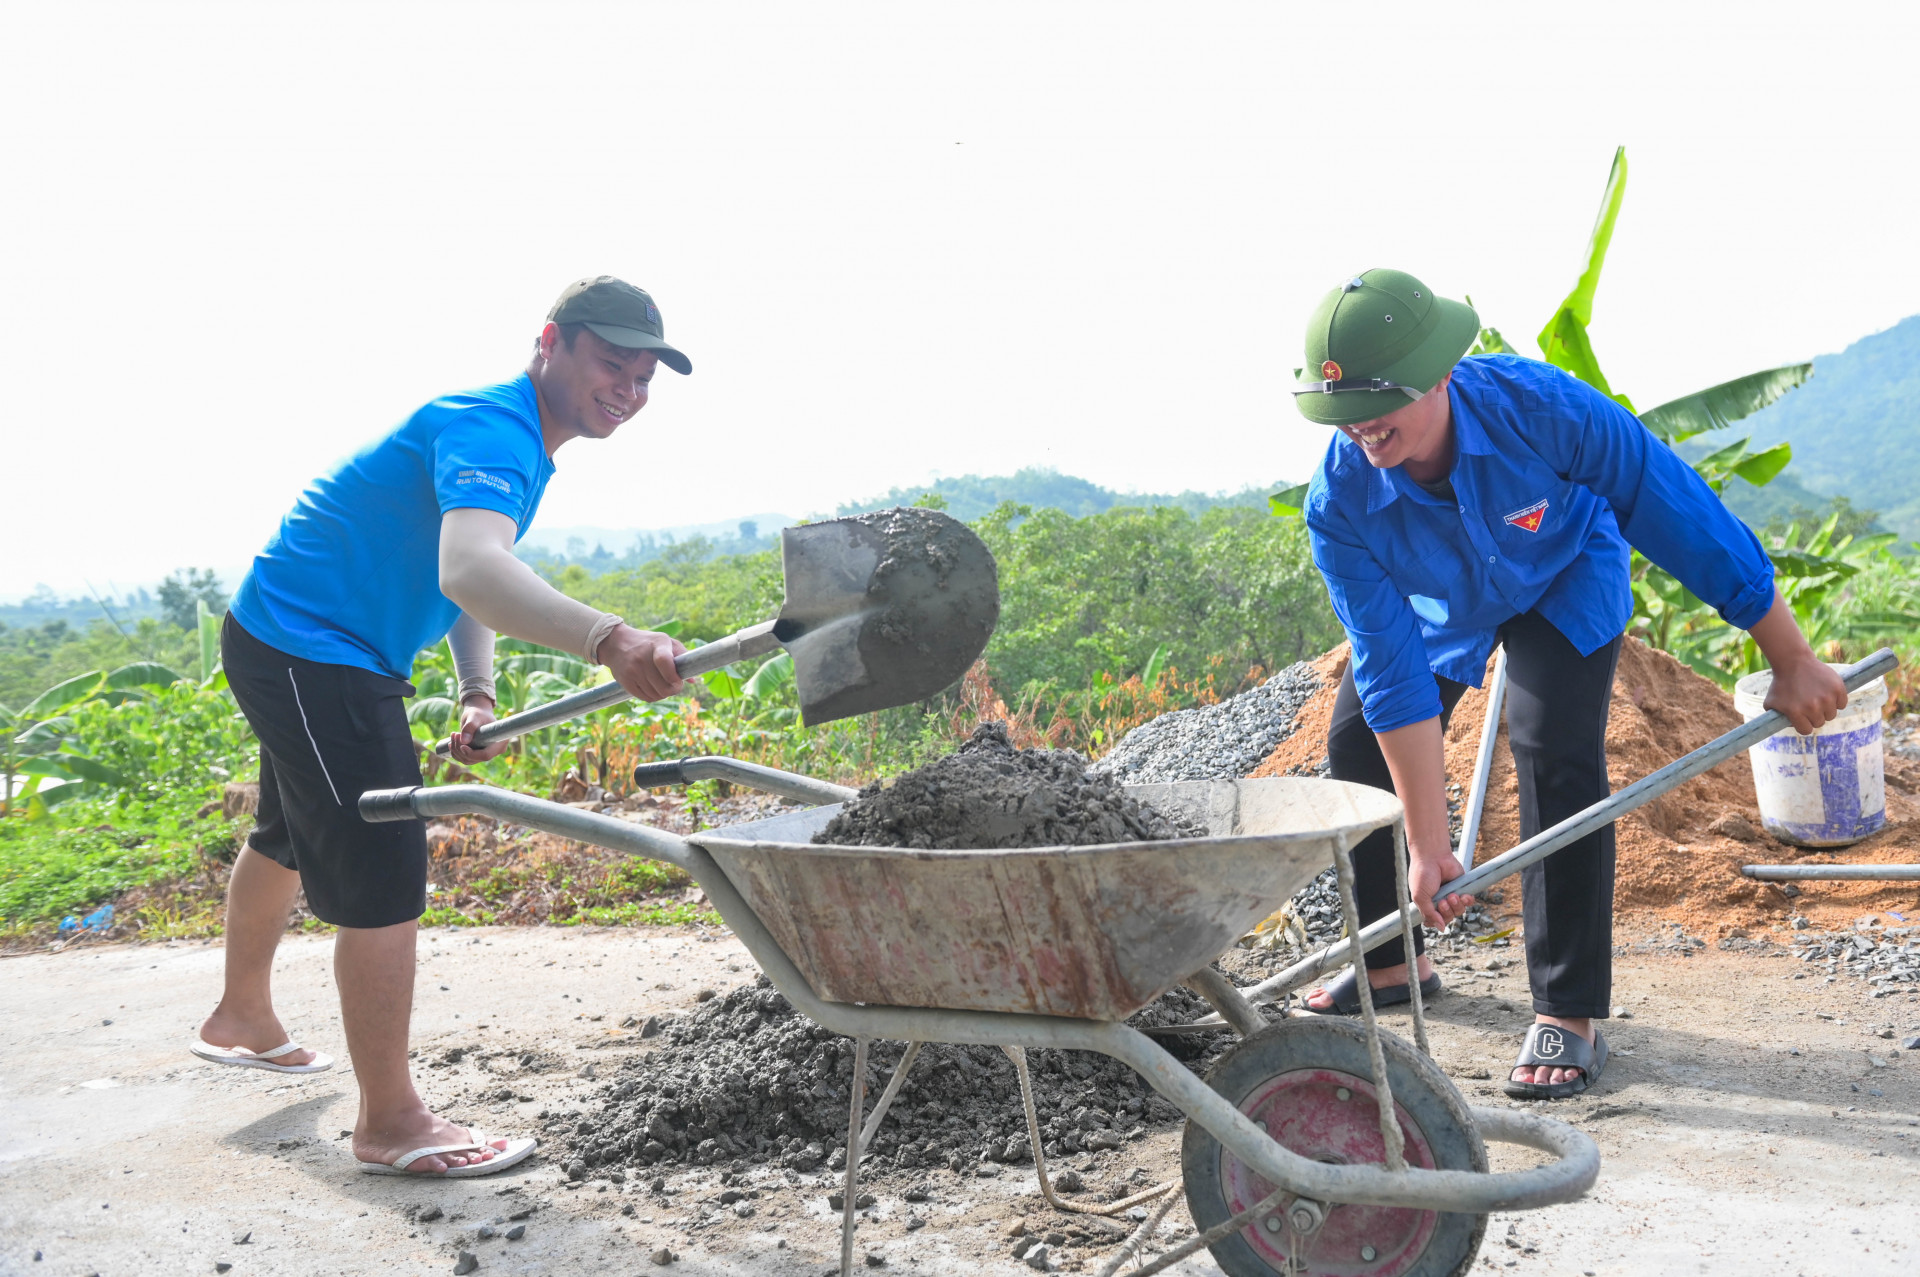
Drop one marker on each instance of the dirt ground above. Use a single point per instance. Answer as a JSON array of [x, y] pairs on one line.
[[1748, 1121], [1679, 856]]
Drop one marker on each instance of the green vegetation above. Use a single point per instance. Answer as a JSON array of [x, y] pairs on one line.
[[44, 640], [1106, 620], [1855, 427], [970, 496]]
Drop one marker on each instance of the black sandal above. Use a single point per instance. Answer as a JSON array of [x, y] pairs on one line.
[[1558, 1048], [1345, 992]]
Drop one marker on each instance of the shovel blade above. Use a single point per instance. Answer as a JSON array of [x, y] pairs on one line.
[[883, 609]]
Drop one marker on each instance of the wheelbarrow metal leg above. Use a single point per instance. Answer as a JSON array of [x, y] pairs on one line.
[[852, 1183], [1225, 998], [1390, 1134], [1136, 1242], [880, 1106], [1408, 926], [1019, 1057]]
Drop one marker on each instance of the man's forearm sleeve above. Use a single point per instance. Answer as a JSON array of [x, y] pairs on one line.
[[472, 647], [479, 572]]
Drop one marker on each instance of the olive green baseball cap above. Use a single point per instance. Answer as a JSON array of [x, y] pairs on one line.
[[620, 313], [1377, 342]]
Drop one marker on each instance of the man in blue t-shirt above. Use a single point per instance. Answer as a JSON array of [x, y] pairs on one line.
[[407, 542], [1474, 501]]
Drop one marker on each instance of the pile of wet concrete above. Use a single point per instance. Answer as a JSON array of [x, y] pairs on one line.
[[745, 1077], [987, 794]]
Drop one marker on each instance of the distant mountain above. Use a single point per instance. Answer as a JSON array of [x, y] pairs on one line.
[[1855, 429], [970, 496], [558, 540], [967, 497]]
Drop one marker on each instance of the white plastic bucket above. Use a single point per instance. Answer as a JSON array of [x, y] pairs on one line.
[[1824, 790]]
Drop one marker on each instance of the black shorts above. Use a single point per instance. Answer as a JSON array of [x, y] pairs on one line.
[[328, 733]]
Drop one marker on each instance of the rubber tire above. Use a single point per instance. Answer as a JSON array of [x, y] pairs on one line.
[[1420, 1090]]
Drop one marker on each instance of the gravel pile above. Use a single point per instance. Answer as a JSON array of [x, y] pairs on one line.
[[1214, 742], [1888, 958], [743, 1076], [989, 794]]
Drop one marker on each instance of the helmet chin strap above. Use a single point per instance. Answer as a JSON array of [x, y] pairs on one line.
[[1347, 384]]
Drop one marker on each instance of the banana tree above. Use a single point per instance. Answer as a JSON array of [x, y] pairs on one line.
[[39, 743]]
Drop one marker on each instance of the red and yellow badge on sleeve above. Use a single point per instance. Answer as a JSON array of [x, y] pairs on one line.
[[1528, 520]]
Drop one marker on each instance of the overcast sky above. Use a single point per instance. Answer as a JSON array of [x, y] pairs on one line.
[[897, 240]]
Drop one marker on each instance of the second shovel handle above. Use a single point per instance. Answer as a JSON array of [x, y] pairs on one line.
[[738, 646]]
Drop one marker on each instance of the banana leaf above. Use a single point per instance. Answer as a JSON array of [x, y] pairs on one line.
[[1805, 564], [1563, 342], [74, 767], [723, 684], [1156, 665], [141, 674], [1761, 468], [1718, 407], [60, 695], [208, 626], [571, 668], [770, 677], [431, 709], [1288, 504], [46, 736]]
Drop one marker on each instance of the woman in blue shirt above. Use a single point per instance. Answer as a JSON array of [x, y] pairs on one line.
[[1473, 501]]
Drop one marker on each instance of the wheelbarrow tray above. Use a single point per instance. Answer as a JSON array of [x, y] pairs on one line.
[[1092, 933]]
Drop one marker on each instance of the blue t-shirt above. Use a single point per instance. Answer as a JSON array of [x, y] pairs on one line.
[[353, 575], [1552, 482]]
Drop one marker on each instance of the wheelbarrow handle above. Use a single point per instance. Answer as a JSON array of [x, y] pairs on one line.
[[753, 641], [1570, 830], [771, 780]]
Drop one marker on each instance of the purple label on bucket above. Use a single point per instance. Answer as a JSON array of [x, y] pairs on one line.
[[1852, 805]]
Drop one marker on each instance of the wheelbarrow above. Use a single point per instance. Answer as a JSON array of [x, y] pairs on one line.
[[1313, 1147]]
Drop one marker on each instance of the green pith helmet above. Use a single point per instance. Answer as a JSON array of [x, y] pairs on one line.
[[1376, 343]]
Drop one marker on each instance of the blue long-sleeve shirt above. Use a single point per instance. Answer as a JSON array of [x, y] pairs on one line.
[[1552, 482]]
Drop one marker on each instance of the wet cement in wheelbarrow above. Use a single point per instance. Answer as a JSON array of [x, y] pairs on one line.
[[744, 1077], [989, 794]]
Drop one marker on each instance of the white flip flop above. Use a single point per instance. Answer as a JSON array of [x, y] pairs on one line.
[[240, 1056], [516, 1151]]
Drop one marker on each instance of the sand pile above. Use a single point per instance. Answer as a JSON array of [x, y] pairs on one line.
[[745, 1076], [1680, 855], [990, 794]]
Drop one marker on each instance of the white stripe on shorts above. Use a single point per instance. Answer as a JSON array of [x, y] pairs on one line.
[[310, 740]]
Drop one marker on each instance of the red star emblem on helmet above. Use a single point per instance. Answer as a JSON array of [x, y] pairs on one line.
[[1330, 370]]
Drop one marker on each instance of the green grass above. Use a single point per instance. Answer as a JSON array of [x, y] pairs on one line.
[[89, 851]]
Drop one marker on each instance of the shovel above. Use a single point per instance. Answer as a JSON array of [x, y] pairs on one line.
[[881, 609]]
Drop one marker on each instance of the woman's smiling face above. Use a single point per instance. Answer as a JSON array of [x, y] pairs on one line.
[[1418, 433]]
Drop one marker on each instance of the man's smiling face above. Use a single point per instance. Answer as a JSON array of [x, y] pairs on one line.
[[592, 386]]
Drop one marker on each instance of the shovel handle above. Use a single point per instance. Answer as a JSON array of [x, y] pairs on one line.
[[738, 646]]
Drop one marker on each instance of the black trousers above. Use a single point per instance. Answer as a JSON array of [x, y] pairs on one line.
[[1557, 725]]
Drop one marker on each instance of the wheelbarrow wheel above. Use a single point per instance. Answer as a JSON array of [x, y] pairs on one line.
[[1307, 1082]]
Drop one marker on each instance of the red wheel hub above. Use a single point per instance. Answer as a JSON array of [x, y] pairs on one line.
[[1329, 1116]]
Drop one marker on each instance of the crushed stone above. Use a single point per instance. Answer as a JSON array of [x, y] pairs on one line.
[[1887, 958], [745, 1077], [988, 794], [1214, 742]]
